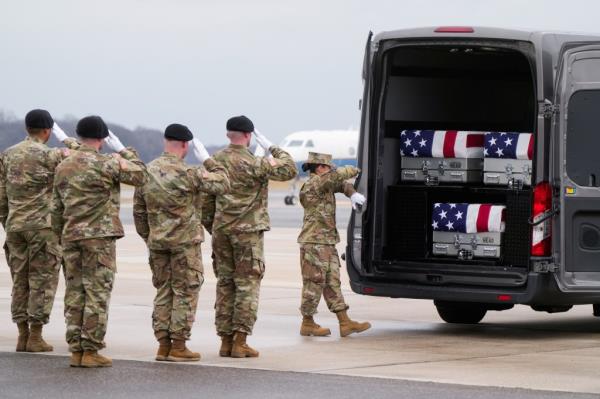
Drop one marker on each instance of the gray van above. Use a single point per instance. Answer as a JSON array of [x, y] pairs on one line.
[[483, 80]]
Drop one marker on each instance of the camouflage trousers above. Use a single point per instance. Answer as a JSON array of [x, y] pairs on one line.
[[90, 267], [239, 266], [34, 259], [320, 276], [177, 276]]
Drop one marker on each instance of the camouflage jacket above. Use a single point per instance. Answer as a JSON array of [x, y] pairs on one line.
[[317, 197], [244, 208], [87, 193], [166, 210], [26, 180]]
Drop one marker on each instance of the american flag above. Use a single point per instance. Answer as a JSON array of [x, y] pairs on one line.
[[468, 218], [441, 144], [509, 145]]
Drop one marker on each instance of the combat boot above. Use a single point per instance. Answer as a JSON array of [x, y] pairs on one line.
[[23, 336], [348, 326], [76, 359], [164, 346], [240, 348], [94, 359], [179, 352], [35, 342], [226, 344], [309, 327]]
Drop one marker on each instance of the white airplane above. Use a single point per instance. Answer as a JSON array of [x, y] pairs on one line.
[[341, 144]]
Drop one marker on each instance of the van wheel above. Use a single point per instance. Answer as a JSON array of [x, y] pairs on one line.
[[460, 312], [293, 200]]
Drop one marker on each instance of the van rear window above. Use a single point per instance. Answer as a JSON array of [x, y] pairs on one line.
[[459, 87], [583, 139]]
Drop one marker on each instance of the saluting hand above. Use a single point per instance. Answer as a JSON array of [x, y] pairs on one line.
[[113, 142], [59, 133], [199, 150], [262, 140]]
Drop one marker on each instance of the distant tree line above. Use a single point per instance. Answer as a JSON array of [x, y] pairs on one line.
[[148, 142]]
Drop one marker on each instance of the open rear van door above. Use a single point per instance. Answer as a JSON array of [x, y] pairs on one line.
[[355, 227], [577, 133]]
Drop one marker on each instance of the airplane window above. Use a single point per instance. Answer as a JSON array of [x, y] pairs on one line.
[[295, 143], [309, 143]]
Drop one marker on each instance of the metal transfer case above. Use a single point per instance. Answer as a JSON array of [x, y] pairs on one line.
[[514, 173], [433, 171], [467, 246]]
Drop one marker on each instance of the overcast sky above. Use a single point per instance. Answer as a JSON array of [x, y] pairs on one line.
[[288, 65]]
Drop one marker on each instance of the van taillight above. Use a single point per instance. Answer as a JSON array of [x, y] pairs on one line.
[[454, 29], [541, 234]]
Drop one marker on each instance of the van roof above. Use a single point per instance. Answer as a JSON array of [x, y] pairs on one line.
[[479, 32]]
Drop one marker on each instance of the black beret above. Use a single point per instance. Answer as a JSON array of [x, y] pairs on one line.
[[39, 119], [240, 124], [178, 132], [92, 127]]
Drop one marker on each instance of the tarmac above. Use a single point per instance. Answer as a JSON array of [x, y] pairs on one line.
[[518, 348], [36, 377]]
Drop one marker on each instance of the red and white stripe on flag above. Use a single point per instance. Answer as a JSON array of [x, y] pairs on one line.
[[525, 146], [483, 218], [457, 144]]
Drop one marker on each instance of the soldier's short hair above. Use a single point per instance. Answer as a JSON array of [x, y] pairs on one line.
[[34, 131], [232, 133]]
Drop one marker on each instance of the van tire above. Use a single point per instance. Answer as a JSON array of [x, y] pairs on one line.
[[460, 312]]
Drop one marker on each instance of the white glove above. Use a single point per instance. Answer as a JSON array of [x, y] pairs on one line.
[[113, 142], [199, 150], [59, 133], [259, 151], [262, 140], [358, 200]]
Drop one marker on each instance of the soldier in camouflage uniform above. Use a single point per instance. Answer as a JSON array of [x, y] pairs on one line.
[[86, 212], [237, 221], [319, 259], [167, 217], [32, 248], [4, 212]]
